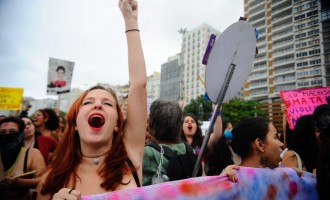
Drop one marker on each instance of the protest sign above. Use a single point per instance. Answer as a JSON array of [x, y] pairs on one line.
[[253, 183], [303, 102], [59, 76], [11, 98]]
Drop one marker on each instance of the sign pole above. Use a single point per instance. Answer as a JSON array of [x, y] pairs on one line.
[[214, 116]]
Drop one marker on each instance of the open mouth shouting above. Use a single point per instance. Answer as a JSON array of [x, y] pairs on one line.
[[189, 127], [96, 121]]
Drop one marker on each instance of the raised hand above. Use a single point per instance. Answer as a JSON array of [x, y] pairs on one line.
[[230, 172], [129, 9], [67, 193]]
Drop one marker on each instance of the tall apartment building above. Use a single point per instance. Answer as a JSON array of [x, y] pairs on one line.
[[325, 21], [170, 78], [290, 47], [194, 43], [153, 85]]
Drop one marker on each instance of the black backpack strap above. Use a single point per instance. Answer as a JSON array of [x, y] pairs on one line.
[[192, 158], [168, 152], [189, 149], [133, 169], [25, 160]]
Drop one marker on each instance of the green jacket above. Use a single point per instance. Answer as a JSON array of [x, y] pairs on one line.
[[151, 161]]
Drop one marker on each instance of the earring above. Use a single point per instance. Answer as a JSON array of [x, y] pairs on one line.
[[263, 160]]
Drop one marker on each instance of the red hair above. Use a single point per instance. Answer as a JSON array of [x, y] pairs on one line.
[[67, 155]]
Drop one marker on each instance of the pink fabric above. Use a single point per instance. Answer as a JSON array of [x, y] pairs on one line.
[[253, 183]]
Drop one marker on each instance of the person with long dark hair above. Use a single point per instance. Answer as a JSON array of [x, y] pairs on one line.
[[46, 122], [303, 150], [192, 132], [34, 139], [98, 154], [256, 141], [322, 121]]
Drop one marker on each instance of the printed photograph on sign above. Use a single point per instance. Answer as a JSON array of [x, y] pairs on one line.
[[303, 102], [59, 76]]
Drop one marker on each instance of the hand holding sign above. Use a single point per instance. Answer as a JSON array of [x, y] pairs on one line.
[[231, 58], [303, 102]]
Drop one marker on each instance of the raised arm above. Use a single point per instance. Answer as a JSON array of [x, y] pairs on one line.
[[217, 132], [135, 130], [284, 123]]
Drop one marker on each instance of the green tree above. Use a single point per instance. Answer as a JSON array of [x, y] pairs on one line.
[[237, 109], [62, 113], [198, 107]]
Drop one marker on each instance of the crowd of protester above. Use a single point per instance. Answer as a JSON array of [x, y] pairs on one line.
[[102, 147]]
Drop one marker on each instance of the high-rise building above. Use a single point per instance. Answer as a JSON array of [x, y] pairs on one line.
[[153, 85], [170, 78], [194, 43], [290, 55], [325, 22]]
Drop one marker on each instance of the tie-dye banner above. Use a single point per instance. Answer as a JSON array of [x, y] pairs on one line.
[[253, 183]]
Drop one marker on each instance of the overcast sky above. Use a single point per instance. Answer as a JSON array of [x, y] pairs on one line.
[[91, 34]]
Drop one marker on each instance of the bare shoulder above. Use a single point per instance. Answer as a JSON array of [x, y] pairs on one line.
[[36, 161], [34, 151], [36, 155]]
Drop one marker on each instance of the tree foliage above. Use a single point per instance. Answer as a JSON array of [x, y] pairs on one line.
[[237, 109], [233, 111], [62, 113], [194, 107]]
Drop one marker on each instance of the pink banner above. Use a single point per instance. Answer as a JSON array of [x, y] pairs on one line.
[[303, 102], [253, 183]]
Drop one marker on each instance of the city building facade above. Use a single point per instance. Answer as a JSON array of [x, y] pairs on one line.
[[290, 48], [170, 79], [153, 86], [325, 22], [194, 43]]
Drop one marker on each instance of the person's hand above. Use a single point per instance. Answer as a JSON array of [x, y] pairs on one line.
[[230, 172], [27, 108], [129, 9], [298, 171], [8, 182], [67, 193], [283, 107]]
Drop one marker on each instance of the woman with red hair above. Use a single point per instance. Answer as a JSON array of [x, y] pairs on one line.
[[97, 154]]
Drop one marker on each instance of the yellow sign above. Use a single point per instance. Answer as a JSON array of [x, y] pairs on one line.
[[11, 98]]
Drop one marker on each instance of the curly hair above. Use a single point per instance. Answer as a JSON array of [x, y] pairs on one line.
[[53, 121]]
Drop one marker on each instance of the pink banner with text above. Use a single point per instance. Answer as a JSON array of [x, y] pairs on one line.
[[303, 102]]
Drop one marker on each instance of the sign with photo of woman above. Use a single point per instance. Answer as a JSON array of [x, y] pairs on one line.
[[59, 76]]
